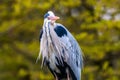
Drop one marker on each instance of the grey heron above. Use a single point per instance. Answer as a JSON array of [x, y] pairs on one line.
[[59, 49]]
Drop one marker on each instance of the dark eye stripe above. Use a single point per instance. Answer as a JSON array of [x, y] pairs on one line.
[[46, 15]]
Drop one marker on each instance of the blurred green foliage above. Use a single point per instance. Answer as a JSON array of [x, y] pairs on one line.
[[21, 21]]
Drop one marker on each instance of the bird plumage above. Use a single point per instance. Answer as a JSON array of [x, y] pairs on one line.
[[60, 51]]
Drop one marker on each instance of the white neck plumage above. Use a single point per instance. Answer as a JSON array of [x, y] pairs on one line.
[[49, 42]]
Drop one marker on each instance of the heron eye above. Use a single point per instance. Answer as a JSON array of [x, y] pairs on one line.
[[48, 18]]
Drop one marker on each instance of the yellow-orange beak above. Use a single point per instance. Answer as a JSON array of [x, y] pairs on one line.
[[54, 18]]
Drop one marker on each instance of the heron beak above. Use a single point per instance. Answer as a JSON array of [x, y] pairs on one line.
[[54, 18]]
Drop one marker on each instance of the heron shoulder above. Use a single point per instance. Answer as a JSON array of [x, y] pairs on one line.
[[60, 30]]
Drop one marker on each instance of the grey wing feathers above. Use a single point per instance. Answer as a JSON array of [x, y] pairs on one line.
[[75, 52]]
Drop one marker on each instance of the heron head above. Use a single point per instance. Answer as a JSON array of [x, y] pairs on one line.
[[51, 17]]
